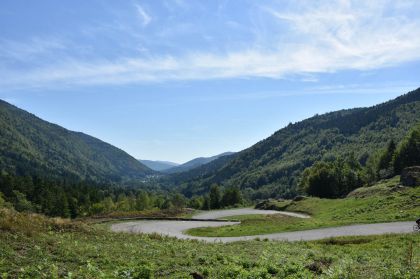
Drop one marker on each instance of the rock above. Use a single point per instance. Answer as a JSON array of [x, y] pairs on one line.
[[410, 176], [261, 205], [299, 198], [272, 204], [265, 204]]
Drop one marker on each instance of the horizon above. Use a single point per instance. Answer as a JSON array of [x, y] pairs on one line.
[[163, 84]]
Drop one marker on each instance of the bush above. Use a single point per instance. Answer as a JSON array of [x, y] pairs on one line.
[[31, 223], [21, 203], [4, 203], [332, 179]]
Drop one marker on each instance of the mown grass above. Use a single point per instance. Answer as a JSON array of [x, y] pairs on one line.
[[86, 252], [384, 202]]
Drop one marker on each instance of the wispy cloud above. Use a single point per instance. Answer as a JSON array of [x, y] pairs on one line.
[[36, 46], [339, 89], [348, 35], [353, 33], [145, 17]]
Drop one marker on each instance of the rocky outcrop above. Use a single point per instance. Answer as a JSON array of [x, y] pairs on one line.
[[272, 204], [411, 176], [299, 198]]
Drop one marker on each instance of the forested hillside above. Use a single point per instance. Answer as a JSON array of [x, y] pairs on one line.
[[158, 165], [32, 146], [195, 163], [274, 166]]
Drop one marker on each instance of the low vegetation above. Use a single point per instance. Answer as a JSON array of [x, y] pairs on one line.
[[383, 202], [33, 246], [154, 213]]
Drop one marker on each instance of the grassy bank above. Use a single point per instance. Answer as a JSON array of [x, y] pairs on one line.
[[383, 202], [32, 246], [150, 213]]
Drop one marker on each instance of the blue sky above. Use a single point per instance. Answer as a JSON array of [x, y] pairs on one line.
[[177, 79]]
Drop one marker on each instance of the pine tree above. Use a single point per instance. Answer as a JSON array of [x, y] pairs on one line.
[[385, 166], [215, 197], [408, 153]]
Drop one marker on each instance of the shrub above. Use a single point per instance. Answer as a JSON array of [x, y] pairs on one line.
[[31, 223]]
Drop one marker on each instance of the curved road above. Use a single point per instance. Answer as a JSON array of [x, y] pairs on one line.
[[176, 228], [217, 214]]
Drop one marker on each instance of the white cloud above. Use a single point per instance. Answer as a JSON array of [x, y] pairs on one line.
[[145, 17], [348, 35], [36, 46]]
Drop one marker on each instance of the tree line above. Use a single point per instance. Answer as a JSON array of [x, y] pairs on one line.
[[70, 200], [339, 176]]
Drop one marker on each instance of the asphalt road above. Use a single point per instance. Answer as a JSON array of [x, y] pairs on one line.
[[176, 228], [217, 214]]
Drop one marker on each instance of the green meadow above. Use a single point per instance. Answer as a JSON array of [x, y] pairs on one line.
[[383, 202]]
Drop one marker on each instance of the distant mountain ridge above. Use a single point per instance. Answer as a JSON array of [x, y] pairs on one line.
[[272, 167], [159, 165], [194, 163], [32, 146]]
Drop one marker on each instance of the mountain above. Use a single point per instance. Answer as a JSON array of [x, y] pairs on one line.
[[158, 165], [194, 163], [32, 146], [272, 167]]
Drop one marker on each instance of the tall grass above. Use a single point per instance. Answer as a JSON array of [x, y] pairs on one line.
[[32, 223]]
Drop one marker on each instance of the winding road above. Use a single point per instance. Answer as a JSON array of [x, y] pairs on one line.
[[177, 228], [217, 214]]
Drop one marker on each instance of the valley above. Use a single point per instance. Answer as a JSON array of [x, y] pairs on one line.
[[217, 139], [73, 206]]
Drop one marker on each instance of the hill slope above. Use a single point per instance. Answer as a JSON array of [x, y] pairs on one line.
[[32, 146], [273, 166], [194, 163], [158, 165]]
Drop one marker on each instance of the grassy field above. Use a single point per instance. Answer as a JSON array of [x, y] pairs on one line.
[[383, 202], [32, 246]]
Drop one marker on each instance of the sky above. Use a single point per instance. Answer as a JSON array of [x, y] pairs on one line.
[[178, 79]]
